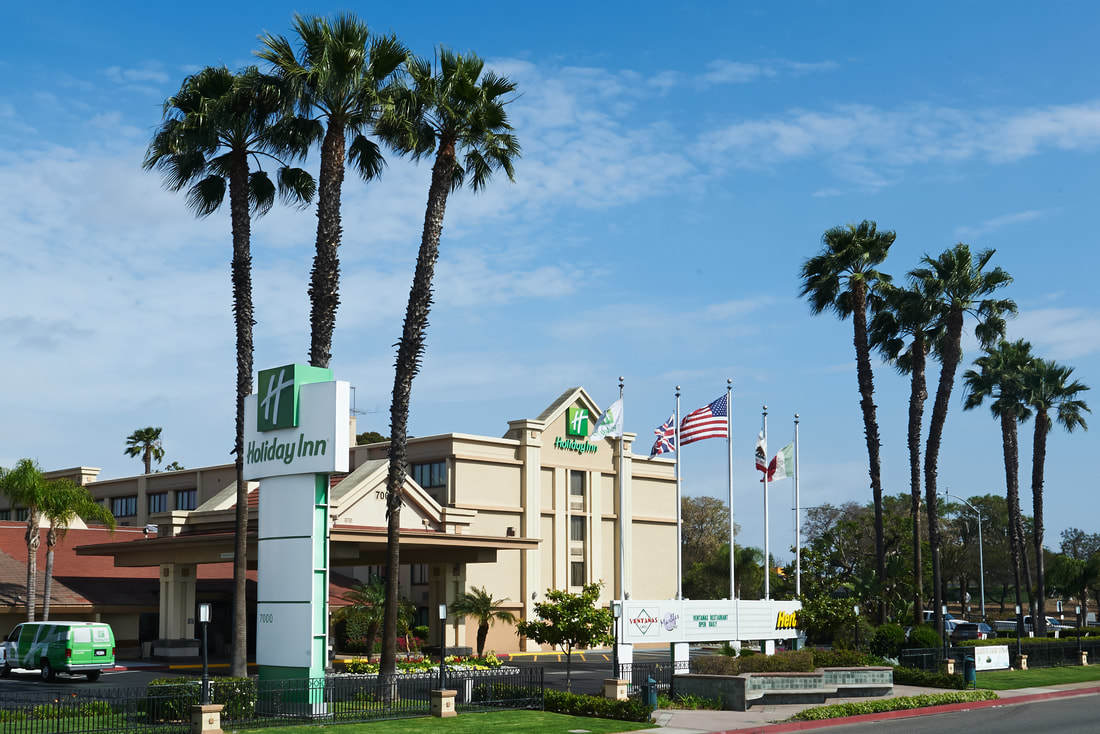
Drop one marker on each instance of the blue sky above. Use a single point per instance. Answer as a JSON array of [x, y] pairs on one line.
[[679, 166]]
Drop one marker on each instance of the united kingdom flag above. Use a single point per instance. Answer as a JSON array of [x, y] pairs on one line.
[[666, 437]]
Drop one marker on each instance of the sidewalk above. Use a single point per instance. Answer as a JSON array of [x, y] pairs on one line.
[[769, 718]]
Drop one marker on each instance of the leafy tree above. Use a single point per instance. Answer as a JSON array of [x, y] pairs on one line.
[[567, 621], [63, 503], [900, 314], [370, 437], [339, 75], [840, 279], [481, 605], [1076, 543], [1000, 377], [145, 442], [706, 527], [962, 287], [1050, 388], [455, 111], [174, 466], [710, 578], [213, 127]]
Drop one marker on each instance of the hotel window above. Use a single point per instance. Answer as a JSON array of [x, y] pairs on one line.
[[419, 573], [5, 514], [430, 475], [576, 484], [158, 502], [576, 573], [185, 499], [124, 506], [576, 527], [21, 514]]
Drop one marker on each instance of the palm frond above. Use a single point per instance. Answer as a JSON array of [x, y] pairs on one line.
[[206, 195], [296, 186], [366, 157]]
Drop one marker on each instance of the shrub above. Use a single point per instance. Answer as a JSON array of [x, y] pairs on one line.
[[171, 699], [596, 706], [887, 640], [891, 704], [692, 703], [844, 659], [793, 661], [913, 677], [923, 636], [420, 631], [846, 636]]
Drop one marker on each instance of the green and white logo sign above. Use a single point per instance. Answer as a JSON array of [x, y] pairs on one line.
[[277, 406], [576, 422]]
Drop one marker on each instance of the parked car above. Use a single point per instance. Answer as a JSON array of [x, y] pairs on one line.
[[1009, 625], [929, 616], [970, 631], [56, 647]]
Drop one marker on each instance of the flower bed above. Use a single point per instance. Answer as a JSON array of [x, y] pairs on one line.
[[454, 663]]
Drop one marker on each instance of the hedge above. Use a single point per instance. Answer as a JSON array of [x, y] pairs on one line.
[[901, 703], [596, 706], [1067, 640], [914, 677], [176, 696], [793, 661], [845, 659]]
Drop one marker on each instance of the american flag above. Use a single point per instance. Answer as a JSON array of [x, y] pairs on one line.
[[666, 437], [710, 421]]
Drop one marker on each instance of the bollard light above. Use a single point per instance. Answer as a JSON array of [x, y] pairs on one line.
[[204, 612], [442, 644], [204, 620]]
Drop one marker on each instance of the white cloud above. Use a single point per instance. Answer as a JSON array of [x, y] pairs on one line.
[[996, 223], [725, 71], [1059, 333], [120, 75], [871, 146]]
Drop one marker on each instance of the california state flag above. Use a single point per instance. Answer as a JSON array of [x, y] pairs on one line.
[[782, 464]]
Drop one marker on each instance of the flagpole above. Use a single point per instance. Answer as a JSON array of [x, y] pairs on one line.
[[679, 525], [767, 561], [622, 516], [729, 447], [797, 518]]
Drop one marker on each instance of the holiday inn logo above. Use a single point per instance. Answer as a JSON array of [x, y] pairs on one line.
[[277, 402], [576, 422]]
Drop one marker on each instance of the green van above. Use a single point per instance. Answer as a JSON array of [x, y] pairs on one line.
[[59, 647]]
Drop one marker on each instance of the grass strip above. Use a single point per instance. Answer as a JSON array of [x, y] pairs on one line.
[[836, 710], [1004, 680]]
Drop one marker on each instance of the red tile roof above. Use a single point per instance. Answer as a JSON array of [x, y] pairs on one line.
[[84, 580]]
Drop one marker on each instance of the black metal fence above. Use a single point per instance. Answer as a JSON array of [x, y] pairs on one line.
[[1039, 654], [166, 709], [638, 675]]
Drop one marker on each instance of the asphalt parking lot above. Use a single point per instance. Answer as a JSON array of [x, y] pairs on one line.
[[22, 682]]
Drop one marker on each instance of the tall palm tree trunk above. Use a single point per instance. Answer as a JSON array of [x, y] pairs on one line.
[[409, 352], [949, 363], [51, 541], [33, 542], [242, 312], [870, 429], [324, 285], [1038, 467], [1012, 485], [917, 395], [147, 457]]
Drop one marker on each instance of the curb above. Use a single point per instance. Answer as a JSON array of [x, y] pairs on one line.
[[909, 713]]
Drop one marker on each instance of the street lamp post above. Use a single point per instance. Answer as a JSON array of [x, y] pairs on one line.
[[204, 619], [981, 559], [617, 613], [442, 644], [855, 608], [1078, 631]]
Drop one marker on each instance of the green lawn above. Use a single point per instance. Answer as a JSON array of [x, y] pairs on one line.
[[495, 722], [1002, 680]]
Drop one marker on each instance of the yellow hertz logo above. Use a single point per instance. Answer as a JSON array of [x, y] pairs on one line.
[[786, 621]]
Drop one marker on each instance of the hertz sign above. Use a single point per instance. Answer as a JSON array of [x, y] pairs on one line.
[[786, 621]]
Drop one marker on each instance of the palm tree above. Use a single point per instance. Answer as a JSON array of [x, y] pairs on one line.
[[481, 605], [457, 112], [25, 487], [213, 127], [64, 502], [146, 443], [335, 77], [840, 279], [367, 600], [900, 314], [1000, 377], [1049, 388], [957, 280]]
